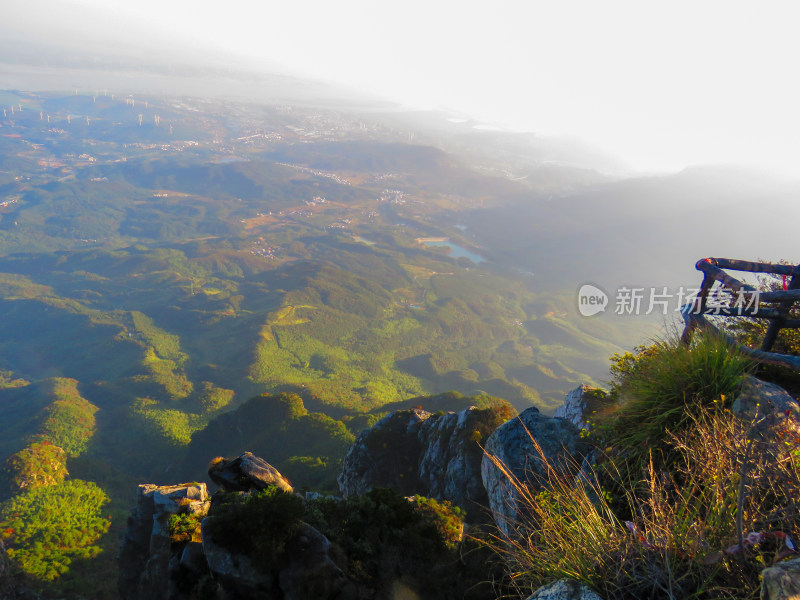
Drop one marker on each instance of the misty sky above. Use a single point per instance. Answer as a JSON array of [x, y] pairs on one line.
[[661, 85]]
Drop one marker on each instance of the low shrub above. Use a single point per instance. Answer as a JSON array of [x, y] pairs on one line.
[[382, 537], [258, 525], [483, 421], [446, 519], [654, 386]]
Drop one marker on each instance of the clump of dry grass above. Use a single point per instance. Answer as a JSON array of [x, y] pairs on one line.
[[704, 529]]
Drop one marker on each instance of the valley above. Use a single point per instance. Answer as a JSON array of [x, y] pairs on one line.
[[164, 260]]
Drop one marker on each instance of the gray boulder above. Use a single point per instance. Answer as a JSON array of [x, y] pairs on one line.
[[417, 452], [773, 408], [450, 461], [565, 589], [246, 472], [781, 581], [512, 444], [193, 560], [387, 454], [574, 407], [580, 404]]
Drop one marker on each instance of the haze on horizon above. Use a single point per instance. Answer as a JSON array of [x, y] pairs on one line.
[[660, 86]]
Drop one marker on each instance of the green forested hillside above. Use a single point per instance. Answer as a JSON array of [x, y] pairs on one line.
[[160, 284]]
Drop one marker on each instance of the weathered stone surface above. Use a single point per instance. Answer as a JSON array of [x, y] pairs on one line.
[[198, 509], [773, 408], [386, 454], [762, 397], [781, 581], [450, 462], [145, 552], [565, 589], [246, 472], [193, 559], [155, 566], [574, 407], [189, 576], [416, 452], [580, 404], [513, 445]]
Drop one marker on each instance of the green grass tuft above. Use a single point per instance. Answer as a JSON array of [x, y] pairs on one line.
[[657, 387]]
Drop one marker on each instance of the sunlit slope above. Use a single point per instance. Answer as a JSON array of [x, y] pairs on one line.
[[175, 271], [355, 331]]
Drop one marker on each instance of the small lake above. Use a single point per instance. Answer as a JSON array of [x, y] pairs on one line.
[[456, 251]]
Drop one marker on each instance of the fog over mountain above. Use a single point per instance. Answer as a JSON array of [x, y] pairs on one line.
[[614, 75]]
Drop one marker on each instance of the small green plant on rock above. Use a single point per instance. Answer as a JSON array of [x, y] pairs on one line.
[[184, 528], [446, 519]]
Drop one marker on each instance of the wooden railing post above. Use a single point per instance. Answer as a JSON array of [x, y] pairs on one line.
[[783, 308]]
